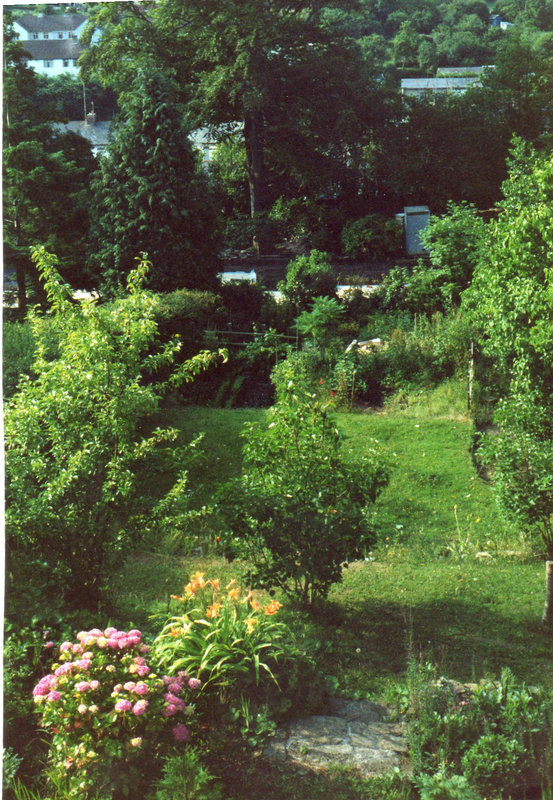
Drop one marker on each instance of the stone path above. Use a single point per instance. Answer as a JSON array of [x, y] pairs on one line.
[[358, 733]]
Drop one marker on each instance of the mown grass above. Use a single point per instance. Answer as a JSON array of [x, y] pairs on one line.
[[447, 579]]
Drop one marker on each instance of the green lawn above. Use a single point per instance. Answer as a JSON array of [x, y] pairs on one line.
[[447, 582]]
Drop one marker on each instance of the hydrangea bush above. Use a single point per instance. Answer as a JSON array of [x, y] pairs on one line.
[[108, 711]]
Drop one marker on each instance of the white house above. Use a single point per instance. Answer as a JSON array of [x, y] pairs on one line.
[[52, 41]]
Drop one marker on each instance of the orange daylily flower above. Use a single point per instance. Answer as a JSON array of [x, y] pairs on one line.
[[250, 624], [273, 607], [213, 610]]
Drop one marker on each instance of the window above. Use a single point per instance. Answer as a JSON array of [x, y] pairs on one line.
[[34, 36], [66, 62], [48, 64], [45, 35], [60, 35]]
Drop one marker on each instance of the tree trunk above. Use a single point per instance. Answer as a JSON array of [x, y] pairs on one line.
[[547, 619], [20, 271], [253, 135]]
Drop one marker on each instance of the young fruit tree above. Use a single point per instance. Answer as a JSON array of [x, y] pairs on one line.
[[511, 300], [76, 441], [299, 511]]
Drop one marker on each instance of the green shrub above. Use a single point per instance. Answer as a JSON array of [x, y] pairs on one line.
[[444, 786], [373, 237], [299, 510], [494, 764], [491, 734], [187, 313], [186, 778], [18, 349], [308, 277], [75, 442]]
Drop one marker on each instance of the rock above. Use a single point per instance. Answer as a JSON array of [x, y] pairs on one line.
[[353, 732]]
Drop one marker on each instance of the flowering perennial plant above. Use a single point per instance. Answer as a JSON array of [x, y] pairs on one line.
[[108, 709], [226, 637]]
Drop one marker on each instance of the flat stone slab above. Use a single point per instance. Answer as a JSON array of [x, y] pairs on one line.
[[357, 733]]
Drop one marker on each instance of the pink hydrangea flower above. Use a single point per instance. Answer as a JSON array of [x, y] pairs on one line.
[[118, 635], [82, 686], [113, 644], [49, 645], [82, 709], [102, 642], [41, 689], [82, 635], [175, 687], [89, 641], [142, 670], [64, 646], [139, 707], [117, 688], [141, 688], [93, 709], [180, 733], [64, 669], [144, 648], [123, 643], [169, 711], [172, 700], [53, 696], [108, 633], [94, 685], [129, 686], [133, 641], [183, 676], [123, 705], [135, 632], [78, 649], [194, 683], [136, 742], [84, 663], [139, 660], [95, 632]]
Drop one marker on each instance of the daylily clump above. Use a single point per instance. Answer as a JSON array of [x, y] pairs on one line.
[[222, 633], [107, 706]]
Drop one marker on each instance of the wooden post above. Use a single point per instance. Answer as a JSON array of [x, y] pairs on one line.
[[547, 618], [471, 376]]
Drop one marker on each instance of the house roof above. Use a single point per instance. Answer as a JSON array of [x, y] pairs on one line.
[[50, 22], [50, 49], [97, 134], [462, 72], [439, 83]]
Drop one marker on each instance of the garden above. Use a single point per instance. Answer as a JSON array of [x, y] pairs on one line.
[[188, 567]]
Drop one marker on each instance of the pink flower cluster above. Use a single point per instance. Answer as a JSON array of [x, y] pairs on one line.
[[84, 677], [46, 688], [175, 685]]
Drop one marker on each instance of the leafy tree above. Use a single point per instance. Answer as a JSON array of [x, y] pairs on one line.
[[280, 73], [45, 175], [75, 443], [299, 510], [150, 196], [511, 300]]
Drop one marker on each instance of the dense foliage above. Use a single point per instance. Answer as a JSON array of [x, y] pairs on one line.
[[75, 442], [150, 197]]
